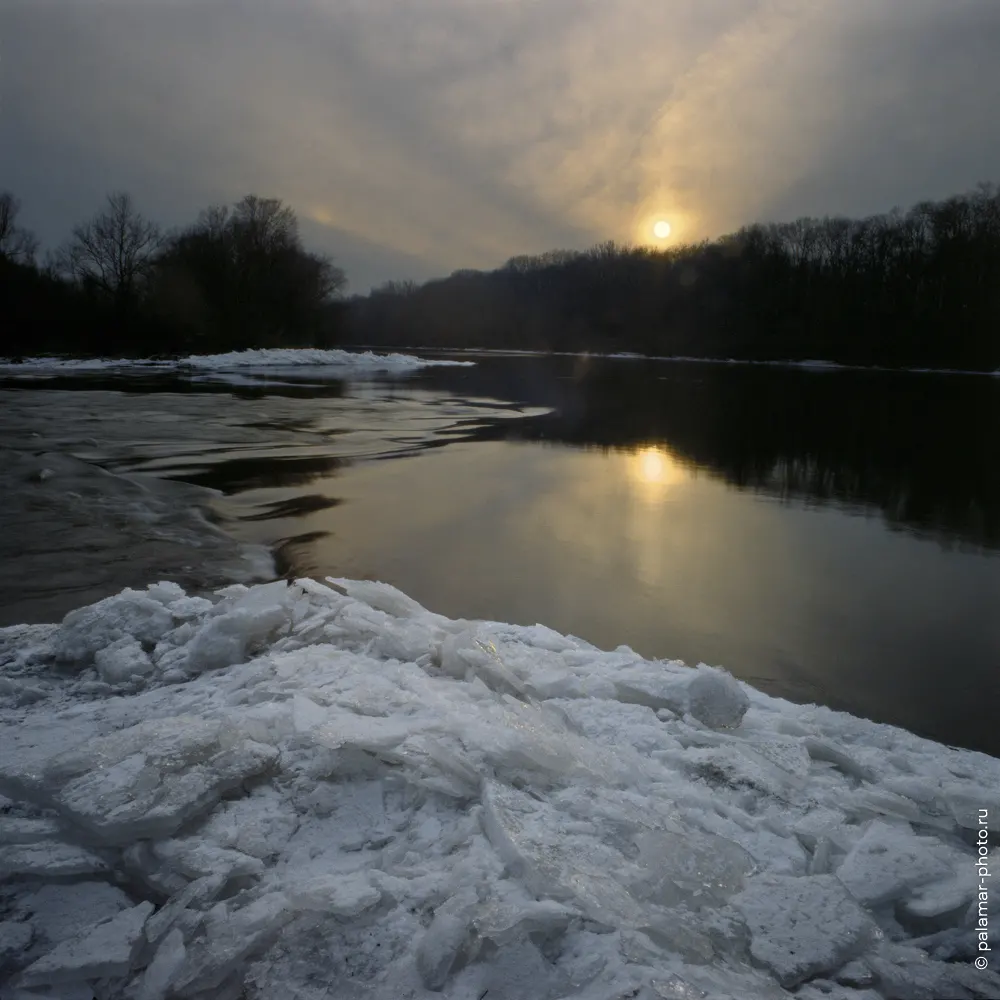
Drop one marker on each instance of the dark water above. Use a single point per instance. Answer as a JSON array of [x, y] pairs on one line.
[[828, 536]]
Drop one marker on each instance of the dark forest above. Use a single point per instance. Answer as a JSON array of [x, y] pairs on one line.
[[916, 288]]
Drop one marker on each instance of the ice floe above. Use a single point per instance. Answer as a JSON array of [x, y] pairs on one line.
[[240, 367], [322, 790]]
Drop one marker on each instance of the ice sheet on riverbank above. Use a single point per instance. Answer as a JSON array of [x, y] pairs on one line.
[[237, 364], [327, 791]]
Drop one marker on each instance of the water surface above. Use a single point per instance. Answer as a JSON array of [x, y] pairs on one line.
[[828, 536]]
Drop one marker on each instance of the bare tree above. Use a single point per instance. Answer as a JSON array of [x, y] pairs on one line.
[[264, 224], [114, 250], [16, 243]]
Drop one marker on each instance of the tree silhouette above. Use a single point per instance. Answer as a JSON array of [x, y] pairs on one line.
[[115, 251], [17, 245]]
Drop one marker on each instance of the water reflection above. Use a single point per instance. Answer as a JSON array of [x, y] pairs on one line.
[[653, 470], [921, 450]]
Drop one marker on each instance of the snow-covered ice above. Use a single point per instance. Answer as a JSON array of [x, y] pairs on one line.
[[234, 366], [323, 790]]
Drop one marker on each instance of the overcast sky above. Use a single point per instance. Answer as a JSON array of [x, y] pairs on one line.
[[414, 137]]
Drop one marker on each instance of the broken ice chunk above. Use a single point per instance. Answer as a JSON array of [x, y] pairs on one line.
[[259, 824], [105, 951], [946, 895], [193, 857], [907, 972], [801, 926], [229, 939], [148, 780], [14, 830], [522, 830], [380, 596], [339, 895], [366, 732], [887, 860], [965, 801], [48, 859], [185, 608], [229, 638], [62, 911], [821, 750], [716, 699], [122, 660], [306, 714], [856, 973], [128, 614], [163, 969], [14, 941], [474, 652], [442, 944], [503, 922], [166, 591], [196, 894], [520, 971], [702, 871]]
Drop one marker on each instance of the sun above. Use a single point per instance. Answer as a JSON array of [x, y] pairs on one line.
[[661, 229]]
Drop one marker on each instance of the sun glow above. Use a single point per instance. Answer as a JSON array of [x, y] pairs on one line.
[[661, 229], [652, 465], [653, 470]]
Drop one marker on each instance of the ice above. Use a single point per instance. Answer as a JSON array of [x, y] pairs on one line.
[[195, 895], [781, 912], [164, 967], [503, 921], [329, 791], [716, 699], [145, 781], [706, 872], [342, 896], [15, 938], [229, 938], [61, 911], [442, 944], [107, 950], [855, 974], [194, 858], [380, 596], [16, 830], [907, 973], [887, 861], [226, 639], [129, 615], [51, 859], [255, 361], [951, 893], [120, 661]]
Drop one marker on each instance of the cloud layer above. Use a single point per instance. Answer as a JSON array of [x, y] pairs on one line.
[[419, 136]]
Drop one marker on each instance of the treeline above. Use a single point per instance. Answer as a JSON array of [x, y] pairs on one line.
[[238, 277], [914, 288]]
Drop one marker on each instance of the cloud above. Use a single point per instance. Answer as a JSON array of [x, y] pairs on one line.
[[426, 135]]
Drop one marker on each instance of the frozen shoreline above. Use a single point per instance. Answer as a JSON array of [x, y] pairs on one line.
[[288, 790], [237, 367], [809, 364]]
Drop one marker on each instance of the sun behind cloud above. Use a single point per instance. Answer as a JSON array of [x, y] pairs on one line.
[[662, 229]]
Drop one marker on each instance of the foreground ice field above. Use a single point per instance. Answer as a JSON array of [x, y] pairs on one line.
[[309, 791]]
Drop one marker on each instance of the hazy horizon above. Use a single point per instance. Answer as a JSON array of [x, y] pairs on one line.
[[415, 139]]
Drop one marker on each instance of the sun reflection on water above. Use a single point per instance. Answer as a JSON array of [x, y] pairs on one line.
[[653, 470]]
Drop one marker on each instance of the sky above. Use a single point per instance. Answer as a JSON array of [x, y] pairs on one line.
[[417, 137]]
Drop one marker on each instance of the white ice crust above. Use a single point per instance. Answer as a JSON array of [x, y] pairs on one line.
[[322, 790], [253, 362]]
